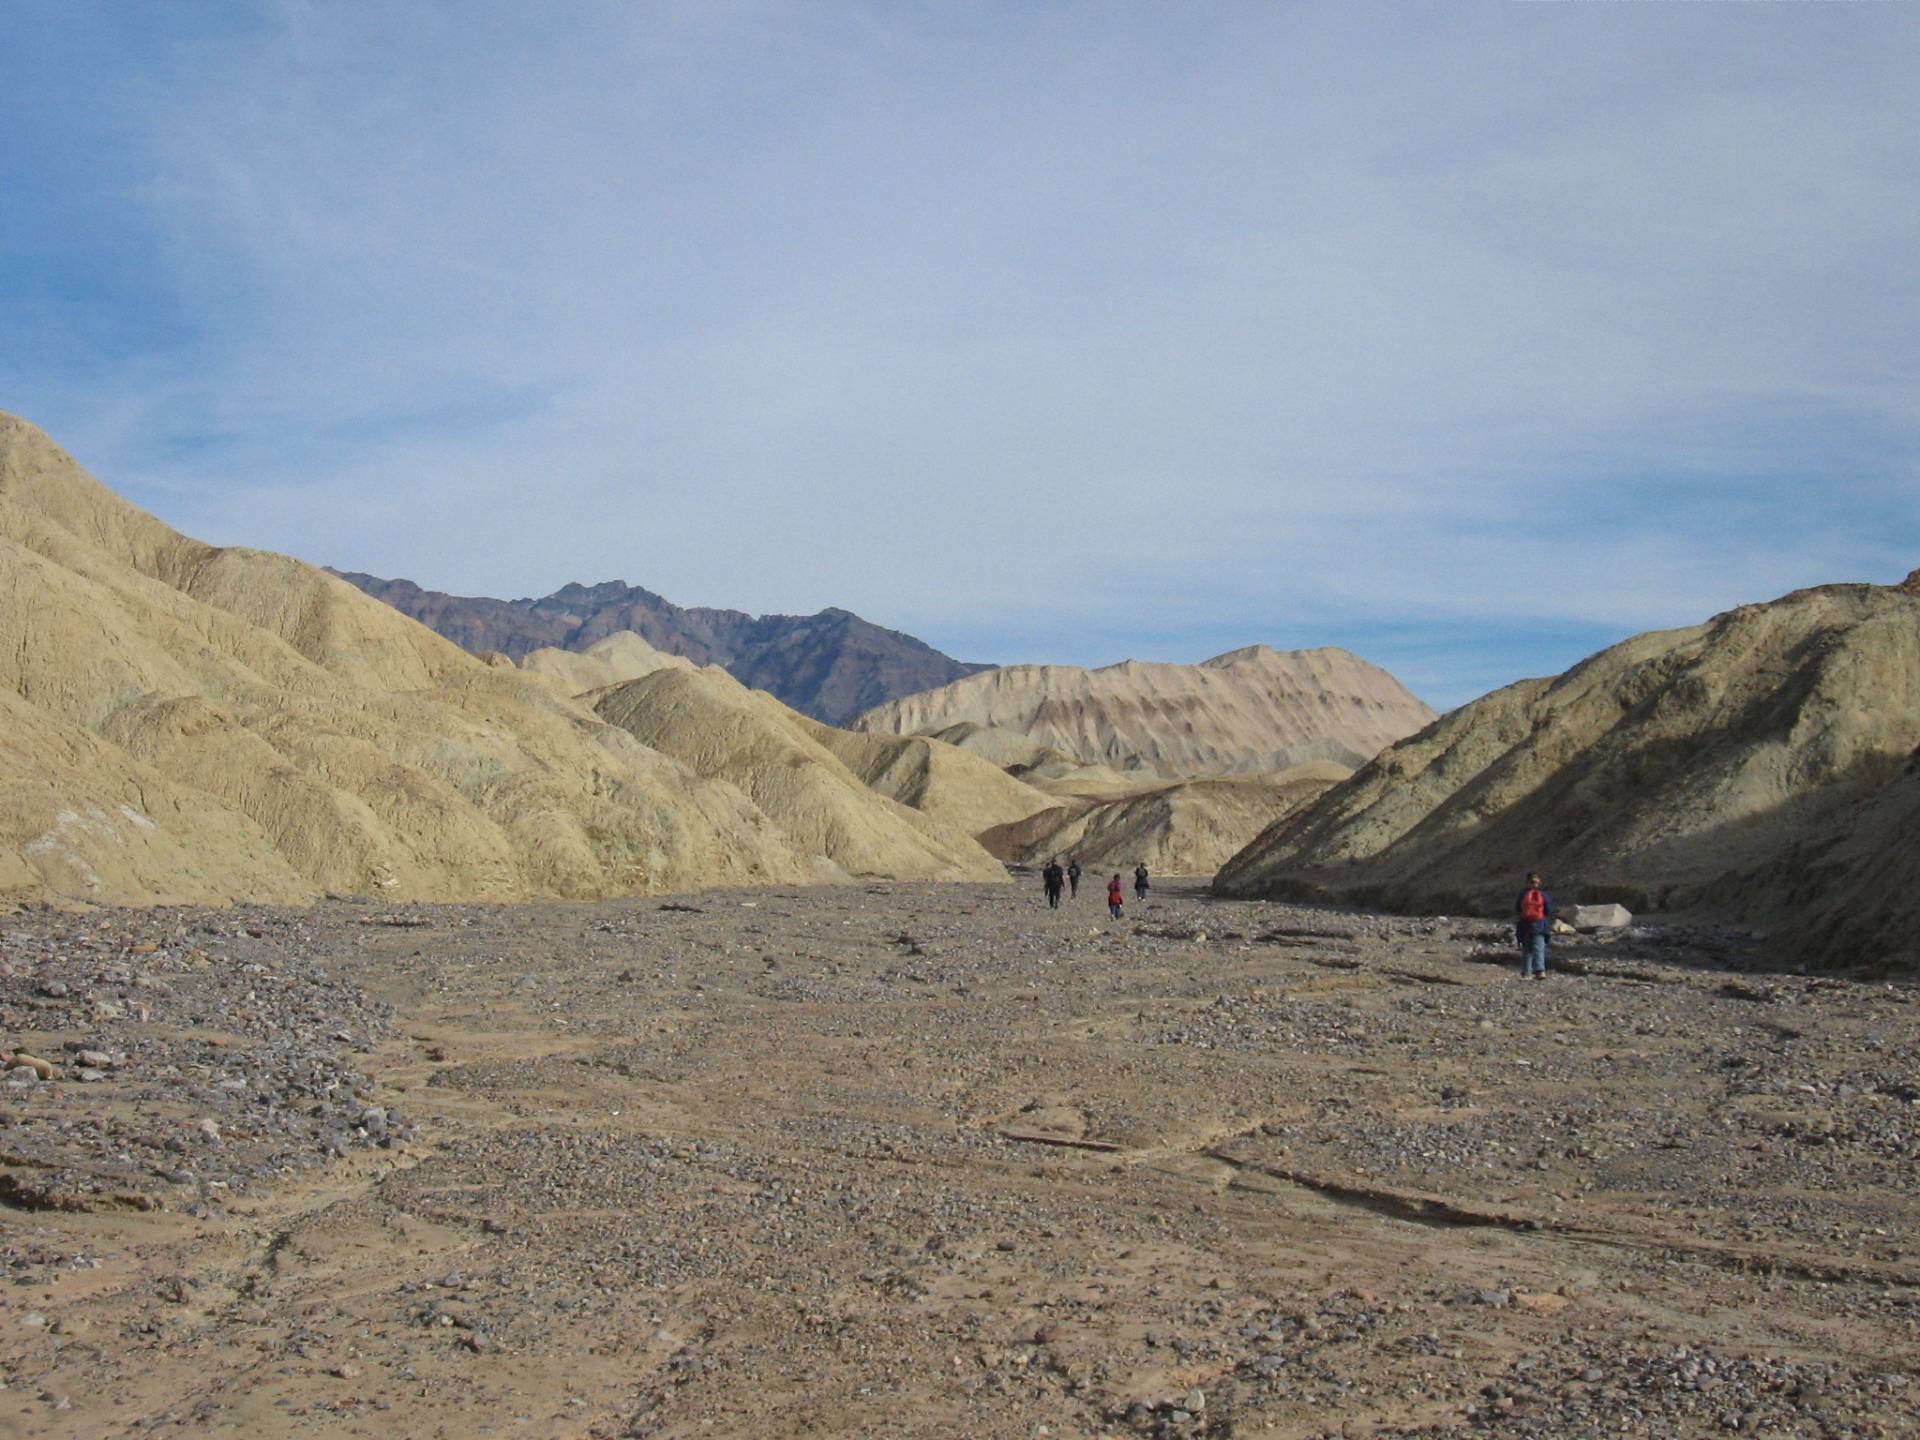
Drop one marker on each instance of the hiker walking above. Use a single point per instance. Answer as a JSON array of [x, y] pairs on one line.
[[1053, 877], [1533, 922], [1073, 878], [1140, 882], [1116, 897]]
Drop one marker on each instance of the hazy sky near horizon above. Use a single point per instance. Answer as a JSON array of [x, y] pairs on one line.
[[1469, 336]]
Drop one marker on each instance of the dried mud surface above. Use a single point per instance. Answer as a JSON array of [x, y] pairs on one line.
[[915, 1160]]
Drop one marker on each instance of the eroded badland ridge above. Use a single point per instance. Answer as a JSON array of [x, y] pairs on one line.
[[189, 724], [1254, 709], [1173, 766], [1762, 767]]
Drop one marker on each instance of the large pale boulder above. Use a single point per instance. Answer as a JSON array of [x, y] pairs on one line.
[[1601, 917]]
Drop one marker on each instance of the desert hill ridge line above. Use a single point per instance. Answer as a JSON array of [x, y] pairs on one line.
[[613, 661], [190, 724], [1041, 803], [1310, 716], [1183, 827], [1761, 768], [950, 786], [1252, 709], [830, 665], [721, 730]]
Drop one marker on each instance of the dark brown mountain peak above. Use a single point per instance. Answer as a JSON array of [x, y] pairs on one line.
[[831, 665]]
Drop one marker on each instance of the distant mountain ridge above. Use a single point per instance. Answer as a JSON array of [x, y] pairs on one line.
[[832, 665]]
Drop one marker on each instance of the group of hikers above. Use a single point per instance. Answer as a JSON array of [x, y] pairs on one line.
[[1533, 910], [1058, 879]]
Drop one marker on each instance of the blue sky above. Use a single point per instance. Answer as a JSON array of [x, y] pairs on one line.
[[1471, 337]]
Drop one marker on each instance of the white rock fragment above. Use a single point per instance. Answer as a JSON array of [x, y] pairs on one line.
[[1601, 917]]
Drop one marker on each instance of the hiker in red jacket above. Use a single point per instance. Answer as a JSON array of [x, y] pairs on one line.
[[1116, 897], [1533, 922]]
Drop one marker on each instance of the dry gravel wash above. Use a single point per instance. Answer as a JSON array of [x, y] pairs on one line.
[[935, 1161]]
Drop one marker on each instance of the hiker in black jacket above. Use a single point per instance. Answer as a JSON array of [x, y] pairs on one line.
[[1073, 878], [1055, 879]]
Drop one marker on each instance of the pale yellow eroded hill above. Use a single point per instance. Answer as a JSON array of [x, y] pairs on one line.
[[186, 723], [620, 657], [1008, 749], [1760, 767], [1190, 827], [81, 818], [1043, 768], [1251, 710], [724, 731], [963, 790]]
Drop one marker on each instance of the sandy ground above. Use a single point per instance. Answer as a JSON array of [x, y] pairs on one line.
[[937, 1161]]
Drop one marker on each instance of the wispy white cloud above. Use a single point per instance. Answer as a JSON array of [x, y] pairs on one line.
[[1052, 323]]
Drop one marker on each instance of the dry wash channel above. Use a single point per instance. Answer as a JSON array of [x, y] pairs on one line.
[[935, 1161]]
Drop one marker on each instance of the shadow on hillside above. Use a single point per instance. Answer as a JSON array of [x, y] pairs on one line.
[[1759, 893]]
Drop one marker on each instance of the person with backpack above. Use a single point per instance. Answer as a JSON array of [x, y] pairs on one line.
[[1140, 882], [1054, 878], [1533, 922], [1073, 878], [1116, 897]]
